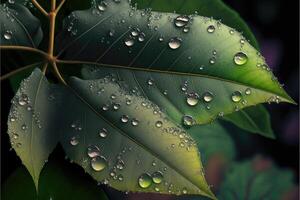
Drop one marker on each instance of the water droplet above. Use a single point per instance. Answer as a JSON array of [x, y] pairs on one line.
[[102, 6], [248, 91], [208, 97], [11, 1], [124, 118], [98, 163], [23, 100], [120, 164], [175, 43], [240, 58], [192, 99], [212, 60], [157, 177], [135, 32], [15, 136], [145, 180], [141, 37], [188, 120], [186, 29], [24, 127], [116, 106], [134, 122], [7, 35], [74, 141], [184, 191], [181, 21], [150, 82], [236, 96], [93, 151], [158, 124], [129, 42], [160, 39], [105, 107], [211, 29], [103, 133]]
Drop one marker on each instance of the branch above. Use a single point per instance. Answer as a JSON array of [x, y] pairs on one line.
[[24, 48], [12, 73], [58, 74], [39, 7], [60, 5]]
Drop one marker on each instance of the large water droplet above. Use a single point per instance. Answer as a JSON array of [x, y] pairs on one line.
[[240, 58], [236, 96], [157, 177], [208, 97], [74, 141], [175, 43], [211, 29], [134, 122], [248, 91], [7, 35], [141, 37], [145, 180], [124, 118], [129, 42], [102, 6], [158, 124], [181, 21], [98, 163], [23, 100], [188, 120], [103, 133], [192, 99]]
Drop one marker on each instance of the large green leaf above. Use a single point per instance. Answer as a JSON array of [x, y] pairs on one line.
[[256, 180], [209, 8], [19, 26], [213, 139], [135, 141], [57, 183], [204, 62], [255, 119], [32, 122]]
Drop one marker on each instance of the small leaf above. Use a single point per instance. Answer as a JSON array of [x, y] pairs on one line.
[[254, 119], [32, 122], [58, 181], [209, 8], [255, 180], [213, 139], [124, 140], [215, 66], [19, 26]]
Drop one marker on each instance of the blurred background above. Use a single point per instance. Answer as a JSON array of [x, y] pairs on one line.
[[275, 24]]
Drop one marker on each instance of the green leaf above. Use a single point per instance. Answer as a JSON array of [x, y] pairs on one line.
[[57, 182], [32, 122], [209, 8], [255, 180], [19, 26], [213, 139], [169, 68], [128, 138], [255, 119]]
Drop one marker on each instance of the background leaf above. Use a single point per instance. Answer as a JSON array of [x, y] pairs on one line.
[[119, 138], [32, 122], [209, 8], [256, 179], [20, 27], [58, 182]]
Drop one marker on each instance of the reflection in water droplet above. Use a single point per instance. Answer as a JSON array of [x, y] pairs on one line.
[[74, 141], [157, 177], [192, 99], [141, 37], [188, 120], [124, 118], [7, 35], [181, 21], [240, 58], [103, 133], [93, 151], [102, 6], [236, 96], [134, 122], [175, 43], [145, 180], [129, 42], [98, 163], [211, 29], [23, 100], [158, 124], [208, 97], [248, 91]]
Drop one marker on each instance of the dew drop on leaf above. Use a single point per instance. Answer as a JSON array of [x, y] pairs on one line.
[[181, 21], [141, 37], [124, 118], [192, 99], [74, 141], [7, 35], [129, 42], [157, 177], [145, 180], [98, 163], [211, 29], [23, 100], [93, 151], [188, 120], [240, 58], [175, 43], [158, 124], [236, 96], [103, 133], [248, 91], [208, 97], [134, 122], [102, 6]]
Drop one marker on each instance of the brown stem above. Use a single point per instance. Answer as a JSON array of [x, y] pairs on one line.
[[58, 74], [24, 48], [60, 5], [45, 67], [39, 7]]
